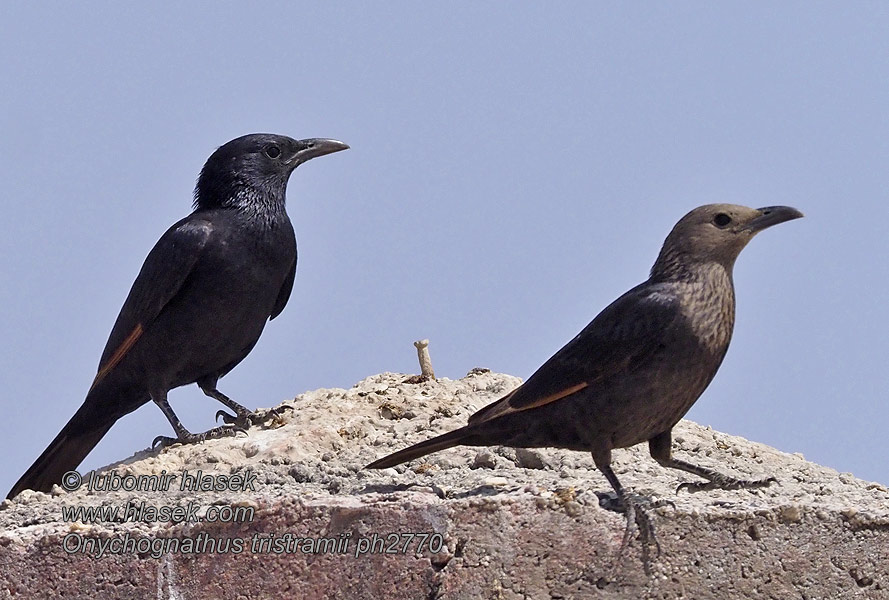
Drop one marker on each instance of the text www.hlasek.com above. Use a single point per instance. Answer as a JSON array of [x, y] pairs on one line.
[[202, 542], [146, 513]]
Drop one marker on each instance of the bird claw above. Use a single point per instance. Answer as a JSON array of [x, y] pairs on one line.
[[611, 501], [238, 430], [662, 502], [163, 441], [636, 509], [227, 418], [646, 529], [725, 484], [249, 419], [273, 414], [213, 434], [197, 438], [694, 486]]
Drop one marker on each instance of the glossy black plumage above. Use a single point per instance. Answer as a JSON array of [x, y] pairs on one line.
[[201, 300]]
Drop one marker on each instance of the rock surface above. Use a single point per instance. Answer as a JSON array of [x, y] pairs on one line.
[[465, 523]]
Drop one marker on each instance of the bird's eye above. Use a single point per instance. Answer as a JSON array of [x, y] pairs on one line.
[[273, 151], [722, 220]]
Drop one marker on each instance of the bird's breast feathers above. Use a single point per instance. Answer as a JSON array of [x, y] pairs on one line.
[[708, 309]]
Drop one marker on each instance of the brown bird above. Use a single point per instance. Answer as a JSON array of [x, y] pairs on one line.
[[637, 368]]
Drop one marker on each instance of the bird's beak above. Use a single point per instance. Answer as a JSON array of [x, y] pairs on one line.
[[772, 215], [315, 147]]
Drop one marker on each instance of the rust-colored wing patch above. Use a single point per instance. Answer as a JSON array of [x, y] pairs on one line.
[[503, 407], [482, 414], [556, 396], [118, 354]]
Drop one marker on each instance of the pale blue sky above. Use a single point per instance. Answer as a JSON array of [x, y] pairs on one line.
[[514, 168]]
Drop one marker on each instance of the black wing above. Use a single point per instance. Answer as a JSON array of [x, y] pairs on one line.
[[618, 340], [165, 271], [284, 294]]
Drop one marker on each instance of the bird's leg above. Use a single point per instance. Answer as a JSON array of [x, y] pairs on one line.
[[242, 413], [183, 435], [636, 509], [660, 449], [243, 416]]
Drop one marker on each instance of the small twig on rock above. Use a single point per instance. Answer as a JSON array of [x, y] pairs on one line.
[[426, 372], [425, 362]]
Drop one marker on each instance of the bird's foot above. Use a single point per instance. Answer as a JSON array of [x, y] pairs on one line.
[[247, 418], [610, 501], [723, 482], [195, 438], [637, 509]]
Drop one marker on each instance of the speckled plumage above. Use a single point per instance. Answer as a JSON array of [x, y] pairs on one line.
[[638, 367]]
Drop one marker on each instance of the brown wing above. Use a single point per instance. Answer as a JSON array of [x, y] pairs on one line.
[[504, 406], [620, 339]]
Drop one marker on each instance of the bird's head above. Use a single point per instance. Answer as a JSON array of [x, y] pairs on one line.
[[716, 233], [259, 163]]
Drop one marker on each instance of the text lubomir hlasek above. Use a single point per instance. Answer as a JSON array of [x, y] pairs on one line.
[[196, 481]]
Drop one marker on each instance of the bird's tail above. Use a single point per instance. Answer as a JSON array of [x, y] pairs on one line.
[[458, 437], [83, 431]]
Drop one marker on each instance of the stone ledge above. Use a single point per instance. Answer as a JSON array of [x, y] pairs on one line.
[[523, 524]]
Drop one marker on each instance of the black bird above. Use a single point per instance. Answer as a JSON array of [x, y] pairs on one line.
[[200, 301], [638, 367]]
